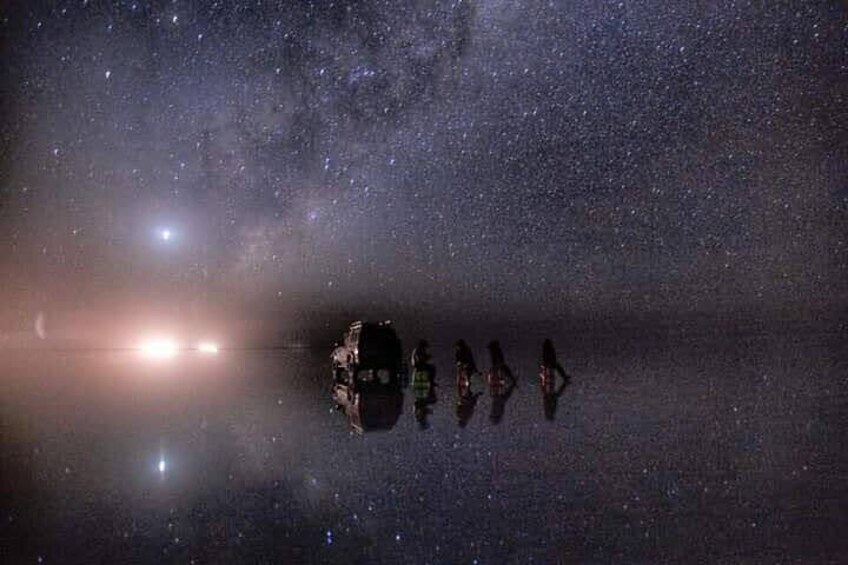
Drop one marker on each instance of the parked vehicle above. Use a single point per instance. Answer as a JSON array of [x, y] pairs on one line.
[[367, 367]]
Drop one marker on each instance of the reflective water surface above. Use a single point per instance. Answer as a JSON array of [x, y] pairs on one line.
[[667, 447]]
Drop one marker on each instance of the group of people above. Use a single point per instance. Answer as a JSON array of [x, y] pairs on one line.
[[499, 380]]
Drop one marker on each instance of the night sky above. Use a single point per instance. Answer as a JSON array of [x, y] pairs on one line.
[[527, 157]]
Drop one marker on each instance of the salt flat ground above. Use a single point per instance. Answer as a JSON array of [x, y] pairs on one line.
[[666, 446]]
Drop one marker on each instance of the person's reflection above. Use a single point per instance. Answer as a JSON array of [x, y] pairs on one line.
[[501, 382], [423, 383], [422, 410], [548, 371]]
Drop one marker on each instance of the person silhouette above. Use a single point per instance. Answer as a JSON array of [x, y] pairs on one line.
[[465, 366], [548, 371], [466, 398], [501, 382]]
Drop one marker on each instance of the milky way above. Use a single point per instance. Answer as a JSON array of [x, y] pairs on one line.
[[538, 157]]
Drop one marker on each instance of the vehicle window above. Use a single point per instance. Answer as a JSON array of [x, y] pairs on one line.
[[384, 376]]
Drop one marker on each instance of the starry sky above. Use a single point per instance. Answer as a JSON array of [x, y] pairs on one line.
[[538, 157]]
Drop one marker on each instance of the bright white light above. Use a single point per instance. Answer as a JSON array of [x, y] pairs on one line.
[[208, 347], [159, 348], [165, 234], [162, 465]]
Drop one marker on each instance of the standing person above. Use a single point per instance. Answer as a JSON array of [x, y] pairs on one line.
[[500, 376], [501, 382], [423, 380], [421, 355], [466, 398], [548, 371], [465, 366], [549, 357]]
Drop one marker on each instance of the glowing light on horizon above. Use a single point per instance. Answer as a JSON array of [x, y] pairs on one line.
[[208, 348], [165, 234], [159, 348]]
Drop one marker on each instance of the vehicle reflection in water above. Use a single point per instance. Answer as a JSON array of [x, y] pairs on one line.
[[501, 382], [366, 376], [372, 399]]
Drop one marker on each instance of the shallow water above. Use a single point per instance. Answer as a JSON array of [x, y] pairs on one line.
[[664, 447]]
